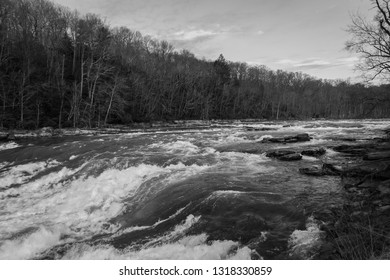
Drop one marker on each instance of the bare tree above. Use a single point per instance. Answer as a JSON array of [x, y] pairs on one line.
[[371, 39]]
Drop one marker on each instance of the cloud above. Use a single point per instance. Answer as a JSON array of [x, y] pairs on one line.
[[193, 35], [260, 32], [306, 64]]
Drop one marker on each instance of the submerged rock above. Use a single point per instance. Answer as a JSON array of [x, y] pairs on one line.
[[358, 150], [325, 169]]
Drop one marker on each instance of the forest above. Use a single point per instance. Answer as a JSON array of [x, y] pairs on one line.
[[59, 68]]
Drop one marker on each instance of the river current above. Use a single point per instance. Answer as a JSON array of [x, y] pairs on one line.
[[190, 193]]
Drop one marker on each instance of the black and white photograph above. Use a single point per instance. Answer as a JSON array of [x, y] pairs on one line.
[[195, 130]]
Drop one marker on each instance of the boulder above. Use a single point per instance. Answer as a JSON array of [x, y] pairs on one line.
[[314, 152], [303, 137]]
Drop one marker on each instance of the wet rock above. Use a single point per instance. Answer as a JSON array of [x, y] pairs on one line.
[[285, 155], [275, 140], [314, 152], [250, 128], [303, 137], [291, 157], [279, 153], [353, 149], [288, 139]]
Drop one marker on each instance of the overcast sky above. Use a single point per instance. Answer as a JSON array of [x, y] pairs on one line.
[[295, 35]]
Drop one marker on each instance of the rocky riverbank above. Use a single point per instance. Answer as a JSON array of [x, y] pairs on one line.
[[360, 227]]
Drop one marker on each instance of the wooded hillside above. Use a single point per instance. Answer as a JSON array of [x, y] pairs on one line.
[[62, 69]]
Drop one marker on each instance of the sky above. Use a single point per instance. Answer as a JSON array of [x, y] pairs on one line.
[[295, 35]]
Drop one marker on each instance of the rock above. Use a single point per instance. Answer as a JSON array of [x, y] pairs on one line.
[[314, 153], [275, 140], [250, 128], [288, 139], [312, 171], [279, 153], [354, 149], [303, 137], [291, 157]]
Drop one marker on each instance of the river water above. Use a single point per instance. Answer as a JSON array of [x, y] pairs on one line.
[[190, 193]]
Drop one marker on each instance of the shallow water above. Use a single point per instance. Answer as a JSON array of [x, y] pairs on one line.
[[183, 194]]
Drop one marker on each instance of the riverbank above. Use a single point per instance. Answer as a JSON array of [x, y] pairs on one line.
[[360, 228]]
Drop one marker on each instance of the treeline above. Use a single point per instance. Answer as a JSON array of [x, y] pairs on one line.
[[62, 69]]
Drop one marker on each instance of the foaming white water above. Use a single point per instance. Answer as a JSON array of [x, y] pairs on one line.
[[304, 244], [137, 228], [27, 246], [19, 174], [8, 146], [82, 206], [235, 137], [261, 138], [167, 247], [4, 164], [184, 147], [193, 247], [227, 192]]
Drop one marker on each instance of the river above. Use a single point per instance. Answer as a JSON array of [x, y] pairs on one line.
[[190, 193]]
